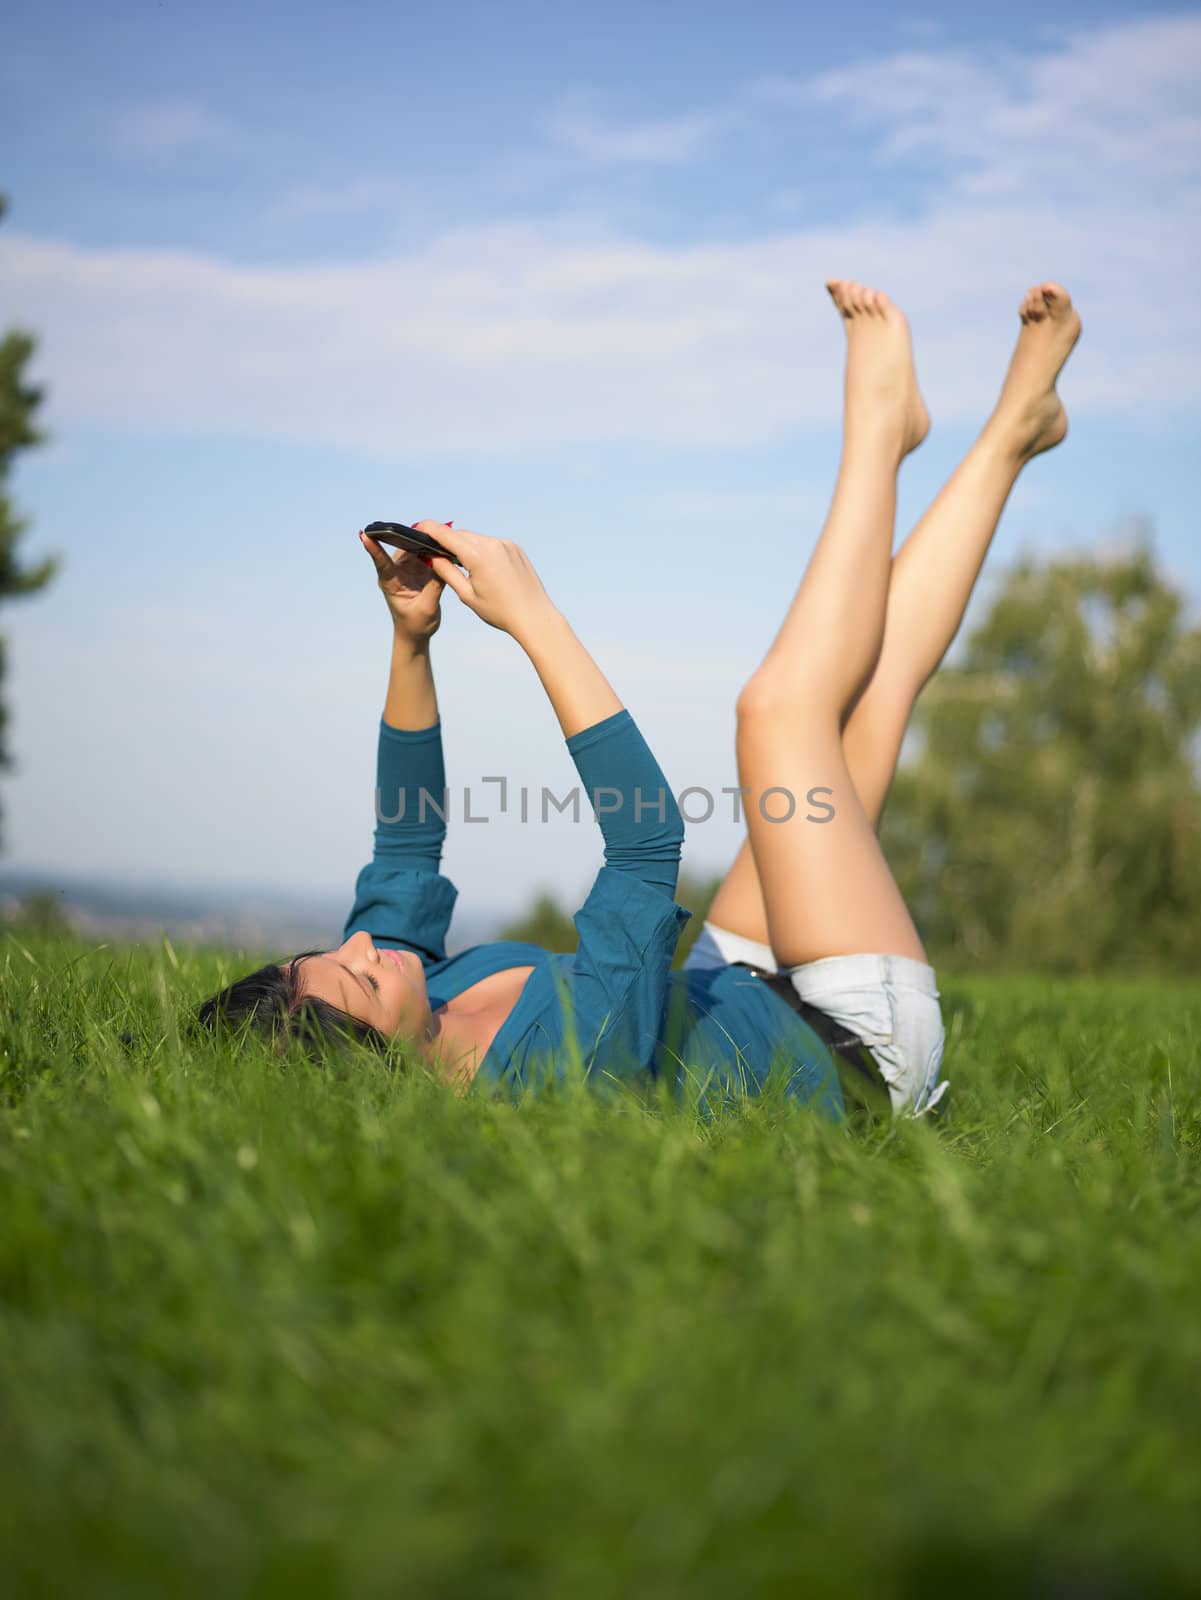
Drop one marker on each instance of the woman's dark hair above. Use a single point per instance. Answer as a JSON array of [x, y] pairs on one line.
[[270, 1002]]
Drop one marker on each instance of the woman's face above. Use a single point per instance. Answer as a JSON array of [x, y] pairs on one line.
[[383, 987]]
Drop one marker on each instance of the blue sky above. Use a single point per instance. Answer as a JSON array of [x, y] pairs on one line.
[[555, 272]]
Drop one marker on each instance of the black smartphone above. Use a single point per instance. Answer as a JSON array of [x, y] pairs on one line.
[[406, 538]]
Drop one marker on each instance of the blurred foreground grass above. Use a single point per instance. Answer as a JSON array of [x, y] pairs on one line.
[[276, 1330]]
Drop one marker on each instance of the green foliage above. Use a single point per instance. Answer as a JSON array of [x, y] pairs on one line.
[[546, 923], [696, 894], [271, 1330], [1053, 817], [19, 402], [549, 925]]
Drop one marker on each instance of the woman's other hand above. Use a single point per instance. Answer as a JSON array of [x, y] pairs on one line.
[[411, 588], [499, 585]]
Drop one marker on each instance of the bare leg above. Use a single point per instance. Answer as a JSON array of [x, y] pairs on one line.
[[936, 568], [933, 575], [827, 888]]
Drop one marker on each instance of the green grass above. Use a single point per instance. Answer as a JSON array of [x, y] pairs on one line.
[[276, 1330]]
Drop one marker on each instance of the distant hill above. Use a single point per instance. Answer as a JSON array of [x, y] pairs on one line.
[[241, 918]]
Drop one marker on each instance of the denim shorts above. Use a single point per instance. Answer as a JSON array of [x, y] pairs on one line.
[[890, 1002]]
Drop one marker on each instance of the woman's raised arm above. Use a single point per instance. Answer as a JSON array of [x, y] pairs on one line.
[[639, 819], [414, 597], [501, 586], [400, 895]]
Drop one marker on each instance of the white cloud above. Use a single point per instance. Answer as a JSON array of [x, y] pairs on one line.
[[507, 338], [664, 141], [1111, 116], [161, 127]]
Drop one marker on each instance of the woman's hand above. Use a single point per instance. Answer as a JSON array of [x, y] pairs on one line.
[[410, 587], [499, 585]]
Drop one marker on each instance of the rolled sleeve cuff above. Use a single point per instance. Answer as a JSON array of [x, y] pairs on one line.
[[404, 906]]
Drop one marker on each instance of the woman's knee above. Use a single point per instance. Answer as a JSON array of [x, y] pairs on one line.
[[763, 697], [774, 697]]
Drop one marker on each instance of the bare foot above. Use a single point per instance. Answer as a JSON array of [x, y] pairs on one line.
[[1030, 413], [881, 383]]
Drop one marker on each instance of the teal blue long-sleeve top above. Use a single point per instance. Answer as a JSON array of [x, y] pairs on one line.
[[613, 1008]]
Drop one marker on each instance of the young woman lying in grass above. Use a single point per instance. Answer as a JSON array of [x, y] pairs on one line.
[[809, 956]]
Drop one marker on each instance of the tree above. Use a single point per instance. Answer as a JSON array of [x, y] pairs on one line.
[[19, 402], [1053, 816], [545, 924]]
